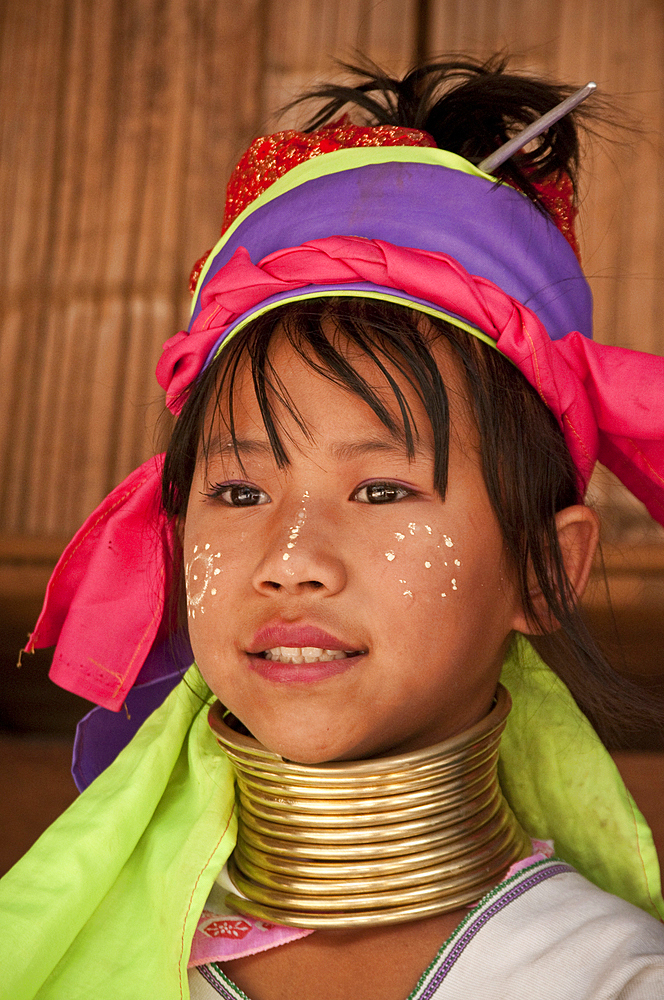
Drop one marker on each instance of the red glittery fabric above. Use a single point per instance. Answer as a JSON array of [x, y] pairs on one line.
[[557, 194], [272, 156]]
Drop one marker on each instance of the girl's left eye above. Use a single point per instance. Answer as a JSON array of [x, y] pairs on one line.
[[381, 492], [239, 495]]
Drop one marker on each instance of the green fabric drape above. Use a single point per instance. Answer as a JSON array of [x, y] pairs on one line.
[[106, 902]]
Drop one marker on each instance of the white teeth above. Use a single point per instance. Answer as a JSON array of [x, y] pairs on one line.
[[304, 654]]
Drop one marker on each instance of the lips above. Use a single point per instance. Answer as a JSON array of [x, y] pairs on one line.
[[286, 653], [291, 636]]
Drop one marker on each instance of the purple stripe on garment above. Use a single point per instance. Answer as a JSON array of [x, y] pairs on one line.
[[474, 926], [492, 230], [214, 983], [102, 734]]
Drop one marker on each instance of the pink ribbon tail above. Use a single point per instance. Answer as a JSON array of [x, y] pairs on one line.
[[106, 599], [623, 388]]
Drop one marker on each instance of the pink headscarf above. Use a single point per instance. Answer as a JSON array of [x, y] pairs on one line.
[[607, 401]]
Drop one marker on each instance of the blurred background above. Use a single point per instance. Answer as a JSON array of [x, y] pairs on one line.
[[120, 121]]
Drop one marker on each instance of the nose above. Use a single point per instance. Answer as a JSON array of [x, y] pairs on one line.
[[311, 565]]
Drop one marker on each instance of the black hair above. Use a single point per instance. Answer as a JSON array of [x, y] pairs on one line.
[[469, 107]]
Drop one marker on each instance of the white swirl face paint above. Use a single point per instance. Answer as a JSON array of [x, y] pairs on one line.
[[199, 573]]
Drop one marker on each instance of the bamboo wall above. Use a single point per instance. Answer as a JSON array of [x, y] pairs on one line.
[[120, 122]]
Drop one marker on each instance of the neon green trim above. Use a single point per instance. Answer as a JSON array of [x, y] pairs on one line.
[[358, 293], [335, 163]]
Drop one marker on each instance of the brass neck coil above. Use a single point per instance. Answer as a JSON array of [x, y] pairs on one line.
[[360, 843]]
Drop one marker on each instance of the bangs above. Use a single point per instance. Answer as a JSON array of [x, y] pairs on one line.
[[325, 334]]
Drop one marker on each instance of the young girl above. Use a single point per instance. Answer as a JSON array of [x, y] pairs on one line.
[[388, 409]]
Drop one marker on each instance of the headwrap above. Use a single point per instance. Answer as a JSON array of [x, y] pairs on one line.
[[405, 223]]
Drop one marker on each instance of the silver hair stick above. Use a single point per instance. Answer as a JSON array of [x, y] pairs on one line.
[[499, 156]]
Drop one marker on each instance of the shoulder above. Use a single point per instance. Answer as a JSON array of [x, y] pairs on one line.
[[548, 932]]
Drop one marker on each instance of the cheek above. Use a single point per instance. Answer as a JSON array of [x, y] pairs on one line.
[[421, 563]]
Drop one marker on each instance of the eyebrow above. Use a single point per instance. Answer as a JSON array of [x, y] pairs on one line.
[[341, 450]]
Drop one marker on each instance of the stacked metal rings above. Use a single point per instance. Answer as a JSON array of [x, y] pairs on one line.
[[371, 842]]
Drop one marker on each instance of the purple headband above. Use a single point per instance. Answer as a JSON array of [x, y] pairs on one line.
[[429, 202]]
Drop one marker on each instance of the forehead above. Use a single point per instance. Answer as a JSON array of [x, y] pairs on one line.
[[300, 376]]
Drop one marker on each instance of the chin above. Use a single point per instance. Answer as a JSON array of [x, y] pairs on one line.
[[304, 747], [304, 751]]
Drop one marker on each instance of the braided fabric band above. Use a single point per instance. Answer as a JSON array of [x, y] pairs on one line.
[[371, 842]]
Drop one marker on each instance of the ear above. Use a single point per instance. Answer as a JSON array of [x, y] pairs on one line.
[[578, 537]]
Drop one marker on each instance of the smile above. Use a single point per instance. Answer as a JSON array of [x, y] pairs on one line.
[[305, 654]]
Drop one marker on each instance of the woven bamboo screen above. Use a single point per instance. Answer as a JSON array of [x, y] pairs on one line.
[[120, 122]]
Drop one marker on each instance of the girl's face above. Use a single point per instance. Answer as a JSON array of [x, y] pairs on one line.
[[338, 607]]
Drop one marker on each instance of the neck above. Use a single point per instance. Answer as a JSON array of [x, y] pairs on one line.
[[381, 841]]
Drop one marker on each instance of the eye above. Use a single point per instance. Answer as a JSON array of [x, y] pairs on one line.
[[238, 495], [381, 492]]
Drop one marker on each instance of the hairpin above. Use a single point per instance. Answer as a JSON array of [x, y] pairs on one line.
[[504, 152]]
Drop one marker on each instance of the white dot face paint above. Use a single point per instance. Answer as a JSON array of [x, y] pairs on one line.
[[428, 549], [294, 530]]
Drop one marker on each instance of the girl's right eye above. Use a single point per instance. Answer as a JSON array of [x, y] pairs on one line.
[[238, 495]]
